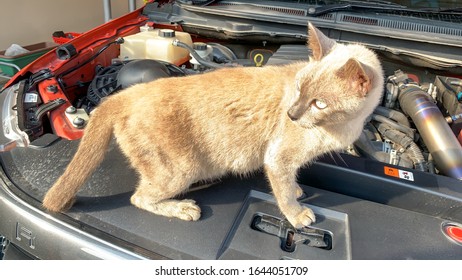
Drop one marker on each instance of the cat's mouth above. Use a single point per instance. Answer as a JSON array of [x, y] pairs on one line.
[[307, 124]]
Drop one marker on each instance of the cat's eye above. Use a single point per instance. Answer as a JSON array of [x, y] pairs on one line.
[[320, 104]]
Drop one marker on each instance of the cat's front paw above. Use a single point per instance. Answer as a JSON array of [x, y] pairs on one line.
[[188, 210], [304, 218]]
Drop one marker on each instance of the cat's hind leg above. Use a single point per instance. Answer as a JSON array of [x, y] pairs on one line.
[[155, 193]]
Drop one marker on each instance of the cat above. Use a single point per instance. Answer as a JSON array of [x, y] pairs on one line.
[[178, 131]]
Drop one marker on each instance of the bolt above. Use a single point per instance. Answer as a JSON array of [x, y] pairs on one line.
[[52, 88], [71, 110], [78, 122]]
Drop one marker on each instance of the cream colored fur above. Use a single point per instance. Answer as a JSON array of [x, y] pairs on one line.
[[178, 131]]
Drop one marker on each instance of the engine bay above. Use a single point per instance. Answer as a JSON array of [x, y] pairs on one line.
[[429, 144]]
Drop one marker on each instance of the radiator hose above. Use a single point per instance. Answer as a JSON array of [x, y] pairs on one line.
[[433, 128]]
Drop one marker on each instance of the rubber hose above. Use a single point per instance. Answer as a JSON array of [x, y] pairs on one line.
[[413, 151], [365, 147], [392, 114], [405, 129], [197, 56]]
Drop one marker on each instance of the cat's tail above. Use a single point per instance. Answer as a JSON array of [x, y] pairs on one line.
[[88, 157]]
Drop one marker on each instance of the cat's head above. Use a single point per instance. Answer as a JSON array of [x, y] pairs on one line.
[[340, 83]]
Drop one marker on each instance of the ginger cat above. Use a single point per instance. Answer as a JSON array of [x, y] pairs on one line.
[[178, 131]]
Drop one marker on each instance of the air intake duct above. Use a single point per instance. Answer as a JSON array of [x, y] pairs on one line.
[[433, 128]]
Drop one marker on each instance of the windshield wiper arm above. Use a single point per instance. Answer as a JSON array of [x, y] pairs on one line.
[[355, 5]]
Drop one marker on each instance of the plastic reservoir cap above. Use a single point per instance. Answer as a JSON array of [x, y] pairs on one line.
[[199, 46], [454, 232], [166, 33]]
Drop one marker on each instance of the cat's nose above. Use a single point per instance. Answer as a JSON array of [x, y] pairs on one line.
[[297, 110], [293, 115]]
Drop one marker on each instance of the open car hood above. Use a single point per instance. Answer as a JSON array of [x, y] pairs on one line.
[[373, 200]]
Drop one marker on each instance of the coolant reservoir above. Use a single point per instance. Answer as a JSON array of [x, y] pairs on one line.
[[157, 44]]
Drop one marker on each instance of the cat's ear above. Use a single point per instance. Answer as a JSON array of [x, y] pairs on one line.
[[319, 44], [357, 75]]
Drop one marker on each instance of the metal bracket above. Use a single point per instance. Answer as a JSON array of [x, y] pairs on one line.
[[291, 237]]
